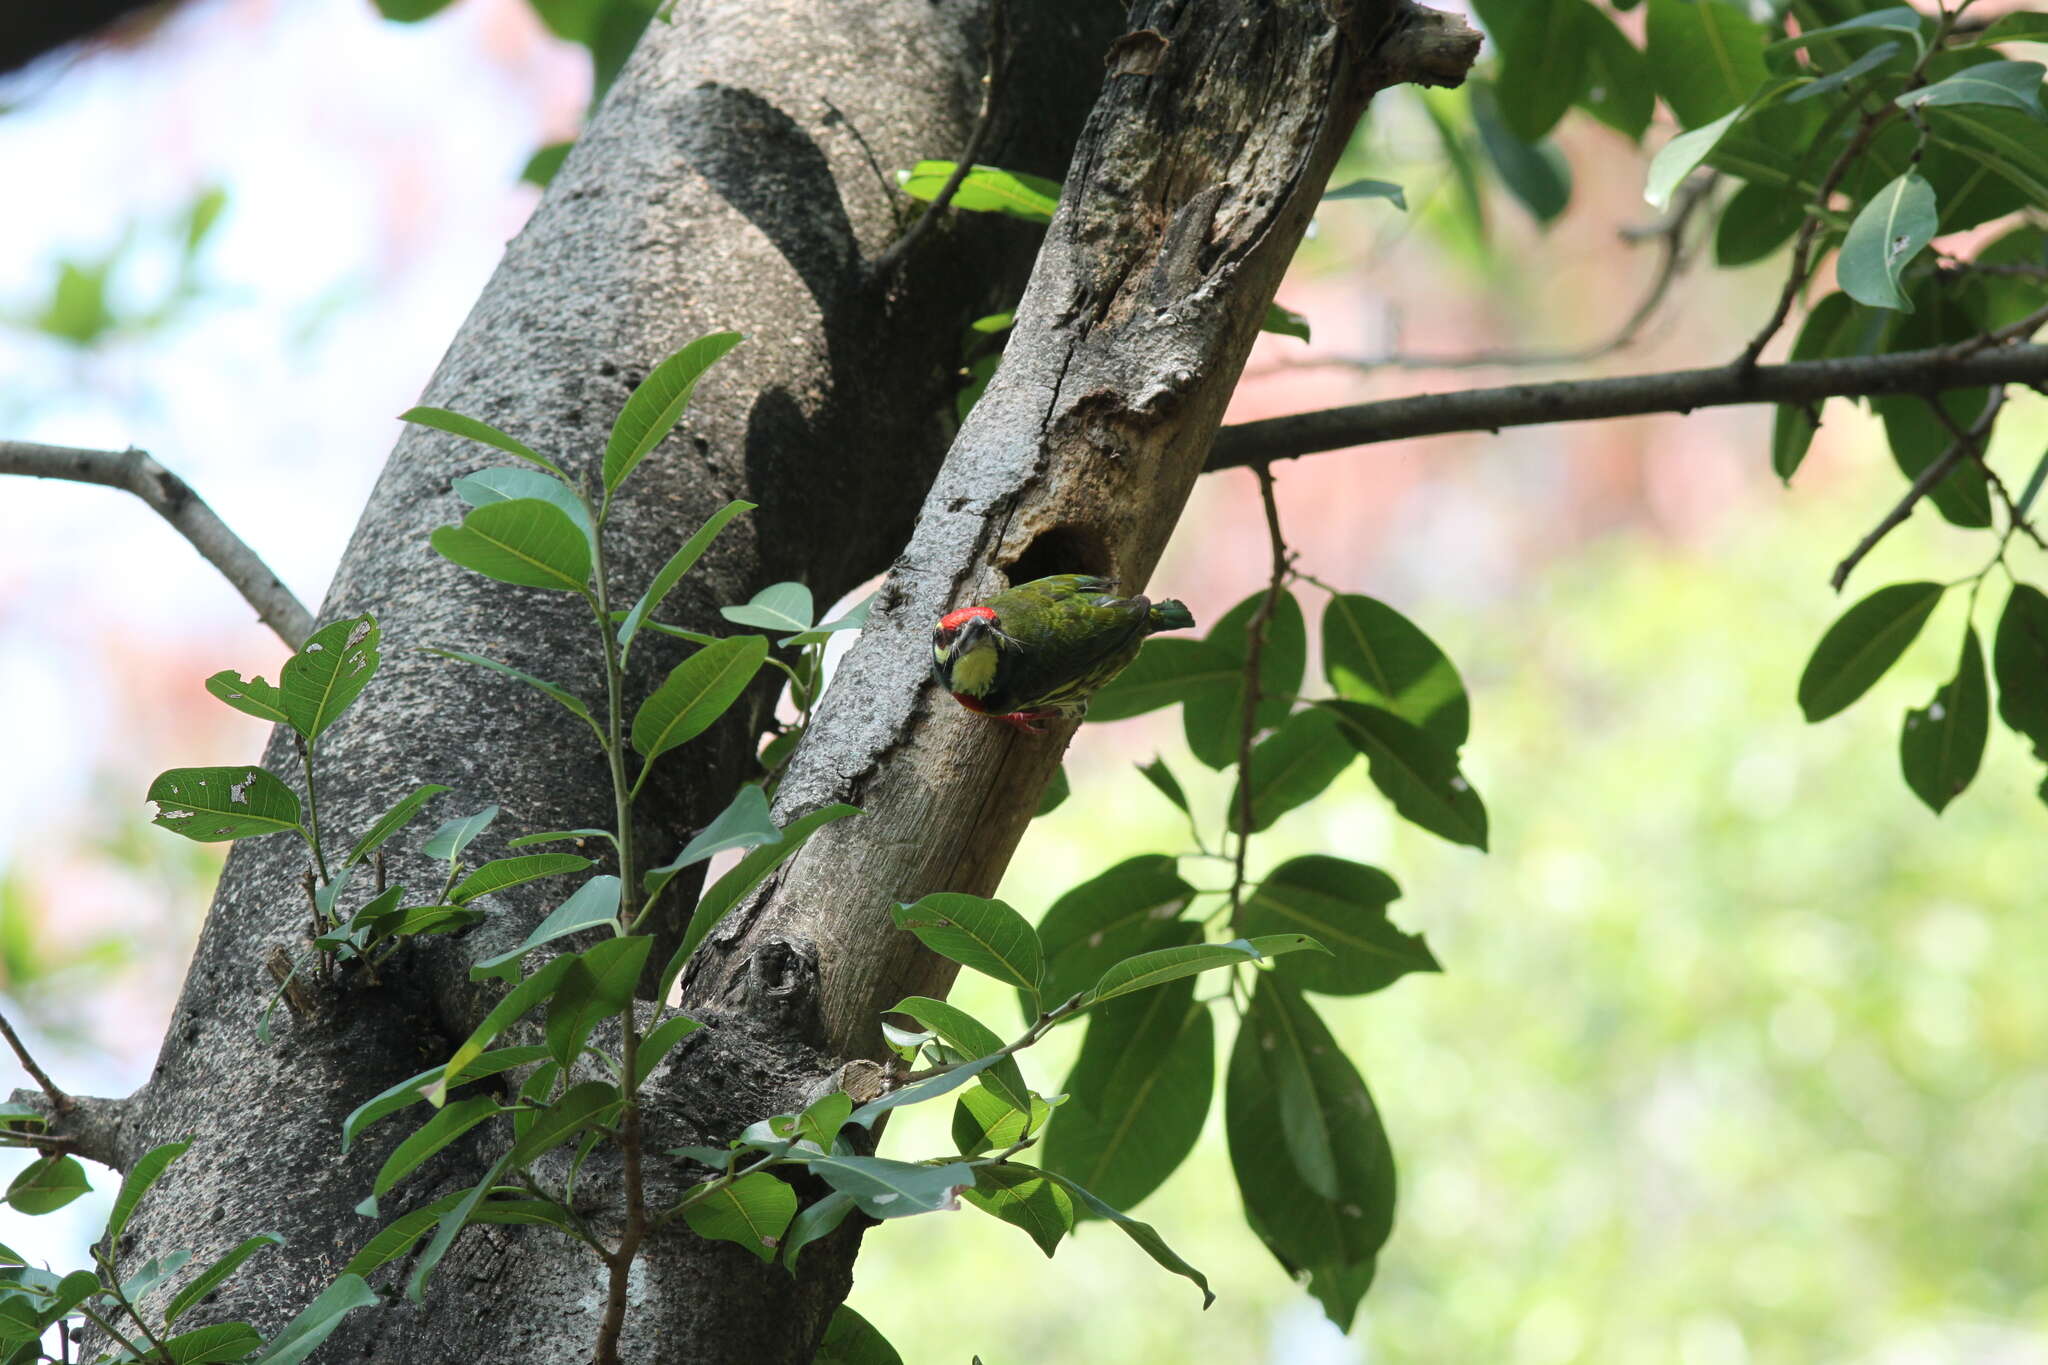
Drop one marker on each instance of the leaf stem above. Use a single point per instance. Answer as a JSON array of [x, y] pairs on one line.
[[1255, 646], [312, 805]]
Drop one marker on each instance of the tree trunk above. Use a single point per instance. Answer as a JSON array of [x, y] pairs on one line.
[[737, 177]]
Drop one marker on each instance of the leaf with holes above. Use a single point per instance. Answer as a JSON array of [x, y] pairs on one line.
[[212, 804], [250, 696], [1942, 743], [1887, 233]]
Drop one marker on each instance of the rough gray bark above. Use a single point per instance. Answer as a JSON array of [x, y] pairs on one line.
[[738, 176], [1192, 185]]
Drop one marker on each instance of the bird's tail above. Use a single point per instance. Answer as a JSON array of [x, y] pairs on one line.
[[1168, 615]]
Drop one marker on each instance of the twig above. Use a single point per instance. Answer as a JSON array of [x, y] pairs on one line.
[[1255, 647], [2018, 331], [59, 1101], [1974, 440], [998, 67], [1965, 444], [174, 500], [1581, 400], [1670, 233], [1039, 1028]]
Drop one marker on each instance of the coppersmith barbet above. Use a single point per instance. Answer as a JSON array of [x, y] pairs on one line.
[[1042, 648]]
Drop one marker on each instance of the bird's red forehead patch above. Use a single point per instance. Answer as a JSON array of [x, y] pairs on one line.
[[953, 620]]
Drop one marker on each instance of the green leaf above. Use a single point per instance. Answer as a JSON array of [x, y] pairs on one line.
[[1284, 322], [437, 1132], [521, 998], [657, 405], [223, 1341], [1679, 157], [1543, 46], [413, 1089], [1758, 219], [851, 1339], [1170, 964], [250, 696], [397, 1236], [140, 1177], [586, 1105], [1025, 1197], [501, 873], [1942, 743], [1161, 777], [1863, 642], [930, 1088], [1344, 905], [300, 1337], [1167, 671], [1896, 19], [214, 1275], [569, 701], [1705, 56], [1290, 767], [817, 1220], [752, 1211], [452, 1222], [1138, 1093], [1056, 793], [1416, 771], [745, 875], [1323, 1202], [660, 1040], [1831, 329], [1537, 174], [1127, 909], [1373, 654], [2019, 659], [973, 1040], [556, 836], [410, 11], [697, 692], [1918, 438], [679, 564], [984, 189], [893, 1189], [523, 541], [856, 618], [46, 1185], [982, 1122], [456, 424], [507, 483], [1620, 93], [1369, 189], [392, 821], [743, 823], [779, 606], [599, 983], [1144, 1234], [541, 167], [1836, 79], [212, 804], [2008, 85], [455, 835], [986, 935], [1887, 233], [1213, 717], [2020, 26]]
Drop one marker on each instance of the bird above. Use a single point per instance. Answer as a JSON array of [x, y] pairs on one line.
[[1042, 648]]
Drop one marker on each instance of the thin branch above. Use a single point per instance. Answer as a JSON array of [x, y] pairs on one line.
[[2018, 331], [998, 67], [185, 510], [1255, 632], [1965, 445], [1669, 232], [1974, 441], [59, 1101], [1583, 400]]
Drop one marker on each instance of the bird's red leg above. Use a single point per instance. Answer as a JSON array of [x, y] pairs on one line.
[[1026, 722]]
